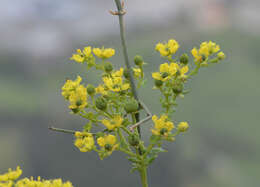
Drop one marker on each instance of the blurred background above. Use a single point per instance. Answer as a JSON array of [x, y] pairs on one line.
[[38, 37]]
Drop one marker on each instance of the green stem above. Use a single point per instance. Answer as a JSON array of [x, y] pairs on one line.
[[122, 35], [143, 174]]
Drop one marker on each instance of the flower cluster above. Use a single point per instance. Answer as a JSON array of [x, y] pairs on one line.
[[84, 141], [167, 49], [76, 94], [112, 107], [206, 50], [10, 179]]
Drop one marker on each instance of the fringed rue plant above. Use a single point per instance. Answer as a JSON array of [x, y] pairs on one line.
[[114, 105]]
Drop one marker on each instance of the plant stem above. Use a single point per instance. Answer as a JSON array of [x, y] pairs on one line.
[[143, 174], [122, 35]]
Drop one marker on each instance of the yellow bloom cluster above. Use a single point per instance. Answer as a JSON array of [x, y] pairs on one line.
[[183, 126], [11, 175], [108, 142], [84, 141], [137, 72], [162, 126], [8, 180], [167, 49], [76, 94], [167, 71], [115, 81], [81, 56], [104, 53], [113, 123], [206, 49]]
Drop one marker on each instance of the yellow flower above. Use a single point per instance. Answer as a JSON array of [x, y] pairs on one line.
[[162, 126], [206, 49], [137, 72], [11, 175], [115, 122], [87, 51], [167, 49], [108, 142], [101, 90], [80, 56], [78, 99], [84, 141], [115, 82], [70, 87], [8, 180], [104, 53], [167, 71], [26, 182], [183, 126]]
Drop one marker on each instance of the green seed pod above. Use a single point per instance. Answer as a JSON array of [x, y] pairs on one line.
[[131, 106], [177, 87], [138, 60], [101, 103], [158, 83], [126, 74], [91, 89], [108, 67], [133, 140], [184, 59]]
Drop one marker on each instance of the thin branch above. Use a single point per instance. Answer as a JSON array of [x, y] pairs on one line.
[[62, 130], [120, 13], [148, 113]]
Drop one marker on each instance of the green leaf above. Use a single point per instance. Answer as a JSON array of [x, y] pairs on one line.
[[157, 150]]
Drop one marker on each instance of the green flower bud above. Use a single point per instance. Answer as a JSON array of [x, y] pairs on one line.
[[165, 74], [126, 74], [133, 140], [108, 67], [101, 103], [91, 89], [158, 83], [177, 87], [75, 110], [138, 60], [108, 147], [184, 59], [221, 55], [131, 106], [163, 131], [141, 150]]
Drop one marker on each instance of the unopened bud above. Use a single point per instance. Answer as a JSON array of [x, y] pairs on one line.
[[133, 140], [138, 60], [158, 83], [101, 103], [108, 67], [91, 89], [221, 56], [131, 106], [184, 59]]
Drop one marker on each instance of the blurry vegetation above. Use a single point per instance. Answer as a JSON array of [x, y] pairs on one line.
[[221, 149]]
